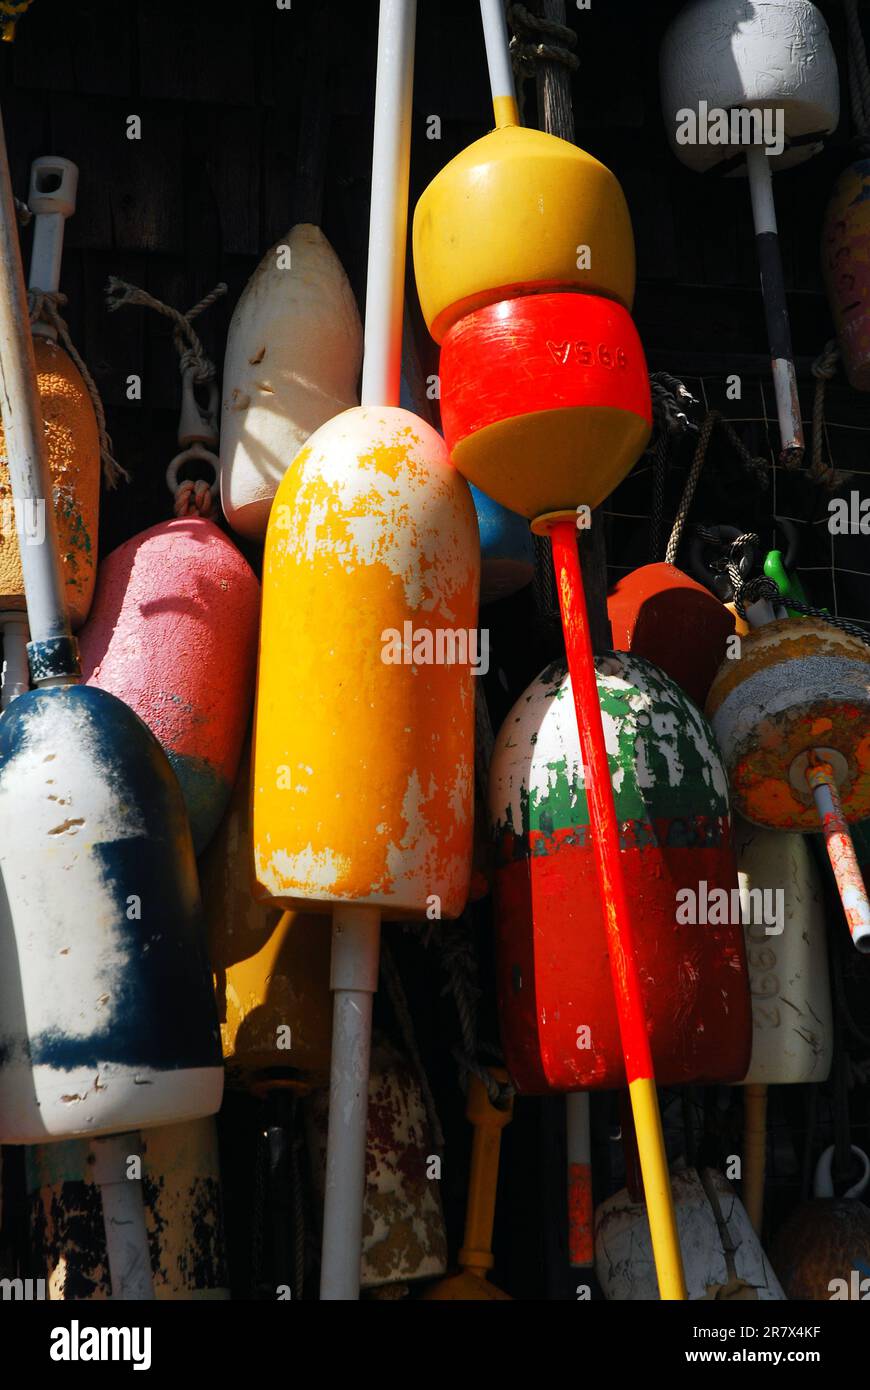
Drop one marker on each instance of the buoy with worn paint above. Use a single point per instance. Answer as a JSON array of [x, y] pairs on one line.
[[292, 362], [580, 423], [106, 1006], [472, 1283], [792, 718], [507, 551], [404, 1239], [173, 633], [363, 740], [660, 613], [722, 1256], [822, 1250], [183, 1215], [271, 967], [783, 913], [558, 1020], [754, 82], [846, 269], [71, 435]]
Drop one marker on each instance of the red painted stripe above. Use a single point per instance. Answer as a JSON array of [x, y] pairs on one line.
[[540, 352], [581, 1213]]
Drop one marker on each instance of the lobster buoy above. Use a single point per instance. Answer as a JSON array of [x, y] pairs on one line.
[[663, 615], [292, 362], [72, 442], [792, 1025], [722, 1257], [173, 633], [558, 1019], [107, 1015], [555, 377], [183, 1215], [507, 551], [543, 203], [754, 82], [800, 684], [365, 794], [772, 55], [404, 1239], [792, 1022], [822, 1251], [846, 268], [271, 967]]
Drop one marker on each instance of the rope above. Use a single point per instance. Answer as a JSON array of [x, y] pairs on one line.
[[859, 71], [191, 497], [754, 465], [22, 212], [399, 1001], [538, 40], [668, 393], [751, 590], [119, 294], [45, 308], [824, 369], [459, 964]]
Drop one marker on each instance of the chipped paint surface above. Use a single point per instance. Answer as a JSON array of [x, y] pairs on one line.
[[798, 685], [107, 1017], [73, 458], [672, 811], [363, 771], [403, 1225], [169, 604], [183, 1215], [792, 1025], [623, 1250]]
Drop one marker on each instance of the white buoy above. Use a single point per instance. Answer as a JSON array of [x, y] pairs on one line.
[[292, 362]]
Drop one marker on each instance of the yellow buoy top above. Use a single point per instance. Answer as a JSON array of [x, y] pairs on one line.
[[519, 210]]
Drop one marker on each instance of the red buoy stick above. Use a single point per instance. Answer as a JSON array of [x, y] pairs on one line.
[[562, 529]]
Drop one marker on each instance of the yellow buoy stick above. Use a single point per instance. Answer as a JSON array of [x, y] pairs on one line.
[[356, 929], [498, 60]]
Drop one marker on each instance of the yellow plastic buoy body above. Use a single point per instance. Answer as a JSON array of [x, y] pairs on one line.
[[73, 449], [271, 968], [363, 742], [515, 211]]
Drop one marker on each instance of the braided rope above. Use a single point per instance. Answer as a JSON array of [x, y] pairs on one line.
[[754, 465], [748, 591], [668, 394], [120, 293], [44, 307], [459, 963], [538, 40]]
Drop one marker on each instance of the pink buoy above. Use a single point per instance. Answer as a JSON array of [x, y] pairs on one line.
[[173, 633]]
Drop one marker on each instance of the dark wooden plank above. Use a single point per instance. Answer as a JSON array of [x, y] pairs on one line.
[[130, 191], [113, 345], [183, 58], [85, 47]]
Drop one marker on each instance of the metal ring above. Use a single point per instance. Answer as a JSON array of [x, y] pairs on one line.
[[194, 451]]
